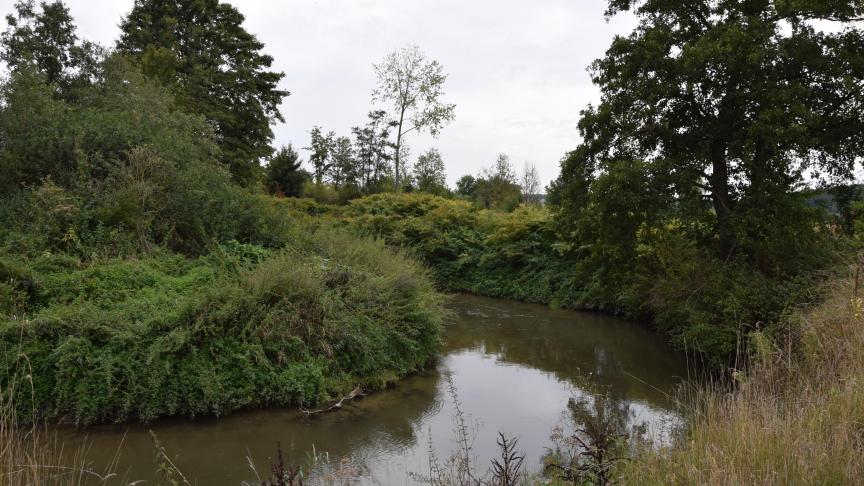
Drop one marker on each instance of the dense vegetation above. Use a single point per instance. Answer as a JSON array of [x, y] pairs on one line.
[[144, 272], [138, 279], [240, 326], [689, 203], [795, 418], [702, 304]]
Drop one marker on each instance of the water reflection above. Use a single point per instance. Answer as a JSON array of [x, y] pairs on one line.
[[627, 358], [515, 367]]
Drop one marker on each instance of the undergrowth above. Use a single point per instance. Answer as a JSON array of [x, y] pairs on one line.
[[241, 326], [795, 418], [699, 302]]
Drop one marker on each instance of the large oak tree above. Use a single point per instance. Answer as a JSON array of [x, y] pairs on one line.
[[730, 102]]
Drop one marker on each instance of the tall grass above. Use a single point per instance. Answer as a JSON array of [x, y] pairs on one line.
[[796, 418], [32, 455]]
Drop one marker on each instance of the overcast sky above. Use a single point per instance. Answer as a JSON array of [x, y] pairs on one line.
[[516, 69]]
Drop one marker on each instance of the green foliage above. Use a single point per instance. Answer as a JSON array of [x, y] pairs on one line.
[[241, 326], [138, 280], [326, 193], [18, 288], [496, 187], [46, 38], [351, 168], [487, 252], [284, 175], [82, 140], [116, 171], [413, 87], [429, 176], [321, 147], [372, 148], [684, 202], [637, 264], [733, 104], [344, 170], [465, 185], [215, 67]]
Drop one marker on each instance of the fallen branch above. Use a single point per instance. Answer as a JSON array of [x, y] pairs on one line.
[[355, 393]]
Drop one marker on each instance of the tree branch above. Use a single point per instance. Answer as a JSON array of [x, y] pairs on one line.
[[355, 393]]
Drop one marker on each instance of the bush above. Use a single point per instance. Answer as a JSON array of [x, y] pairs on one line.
[[239, 327], [138, 280], [657, 272]]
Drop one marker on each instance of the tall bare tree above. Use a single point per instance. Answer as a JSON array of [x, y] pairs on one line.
[[413, 86], [530, 183]]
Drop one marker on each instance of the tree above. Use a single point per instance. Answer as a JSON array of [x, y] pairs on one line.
[[530, 183], [46, 37], [321, 145], [372, 151], [466, 185], [200, 50], [496, 187], [413, 87], [43, 135], [502, 170], [429, 173], [728, 104], [344, 171], [404, 154], [284, 174]]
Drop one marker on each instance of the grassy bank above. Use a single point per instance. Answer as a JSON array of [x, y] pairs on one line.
[[138, 279], [699, 302], [796, 418], [138, 338]]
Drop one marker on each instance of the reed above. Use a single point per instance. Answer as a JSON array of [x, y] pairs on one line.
[[797, 417], [33, 455]]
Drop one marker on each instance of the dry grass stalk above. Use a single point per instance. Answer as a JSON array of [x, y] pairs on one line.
[[796, 418]]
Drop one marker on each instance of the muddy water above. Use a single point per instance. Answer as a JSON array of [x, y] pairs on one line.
[[514, 366]]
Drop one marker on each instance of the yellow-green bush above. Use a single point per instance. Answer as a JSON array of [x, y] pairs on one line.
[[655, 272]]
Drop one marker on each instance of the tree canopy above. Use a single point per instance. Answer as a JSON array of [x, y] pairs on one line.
[[372, 150], [413, 87], [496, 186], [429, 175], [724, 108], [284, 172], [200, 49], [46, 37]]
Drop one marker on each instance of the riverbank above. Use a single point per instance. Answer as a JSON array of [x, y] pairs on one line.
[[141, 337], [384, 437], [795, 418], [700, 303]]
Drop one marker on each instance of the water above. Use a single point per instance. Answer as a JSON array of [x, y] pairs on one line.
[[514, 366]]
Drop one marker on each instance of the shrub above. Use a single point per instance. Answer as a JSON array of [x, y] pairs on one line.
[[239, 327], [657, 270]]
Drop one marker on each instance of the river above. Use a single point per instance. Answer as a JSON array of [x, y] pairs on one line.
[[513, 365]]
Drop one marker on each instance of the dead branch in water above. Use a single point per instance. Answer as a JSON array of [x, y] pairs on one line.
[[355, 393]]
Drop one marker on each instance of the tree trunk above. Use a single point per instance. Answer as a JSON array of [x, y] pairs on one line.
[[720, 194], [399, 149]]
